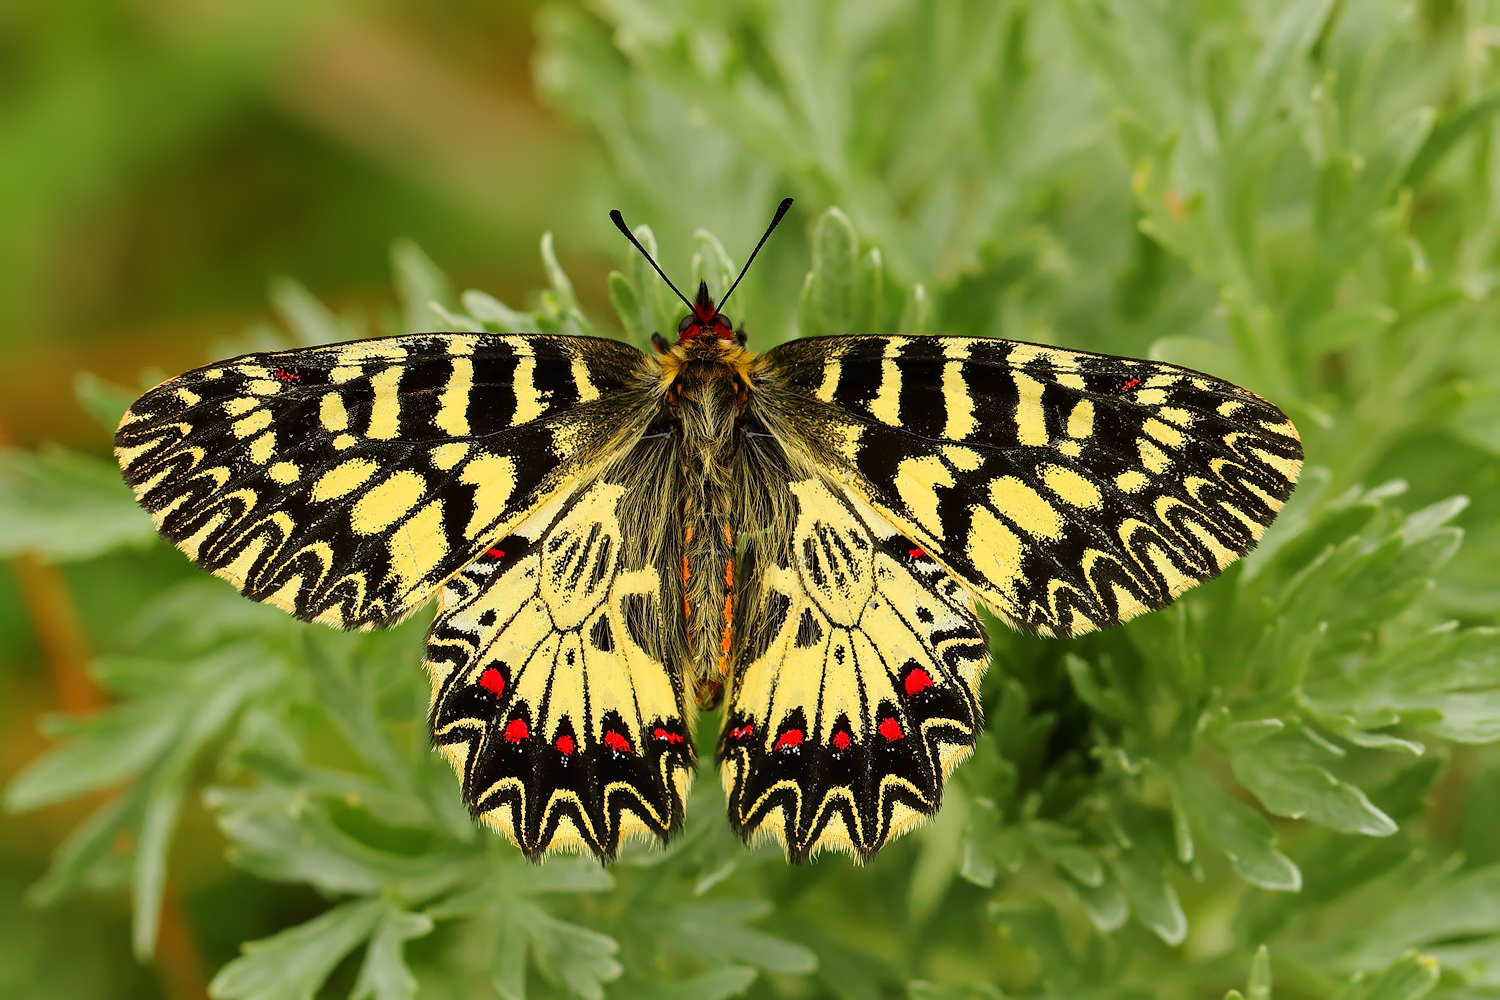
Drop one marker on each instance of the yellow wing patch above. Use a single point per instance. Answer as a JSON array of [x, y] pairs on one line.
[[857, 689], [550, 696]]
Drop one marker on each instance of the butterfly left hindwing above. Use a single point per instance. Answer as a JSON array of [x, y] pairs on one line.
[[551, 691]]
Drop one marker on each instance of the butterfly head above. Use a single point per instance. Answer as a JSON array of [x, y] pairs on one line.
[[705, 320]]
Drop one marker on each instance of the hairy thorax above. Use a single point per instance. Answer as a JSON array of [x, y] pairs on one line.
[[707, 392]]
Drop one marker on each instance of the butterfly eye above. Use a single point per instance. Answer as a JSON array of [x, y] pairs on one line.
[[722, 320], [687, 321]]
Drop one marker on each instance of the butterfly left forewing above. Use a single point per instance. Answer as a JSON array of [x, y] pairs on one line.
[[856, 688], [345, 483], [552, 695]]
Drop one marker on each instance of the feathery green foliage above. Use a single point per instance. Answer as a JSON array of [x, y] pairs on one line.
[[1289, 771]]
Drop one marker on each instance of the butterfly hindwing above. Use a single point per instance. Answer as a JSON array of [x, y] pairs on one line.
[[550, 692], [856, 691], [345, 483], [1069, 491]]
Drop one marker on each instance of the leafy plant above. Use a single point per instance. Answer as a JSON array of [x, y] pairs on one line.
[[1289, 770]]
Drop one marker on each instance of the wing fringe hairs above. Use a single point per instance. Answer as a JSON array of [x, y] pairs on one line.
[[614, 537]]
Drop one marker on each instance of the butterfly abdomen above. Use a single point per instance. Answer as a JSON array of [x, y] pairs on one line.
[[706, 396]]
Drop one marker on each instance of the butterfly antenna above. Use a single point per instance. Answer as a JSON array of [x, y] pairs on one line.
[[781, 210], [619, 221]]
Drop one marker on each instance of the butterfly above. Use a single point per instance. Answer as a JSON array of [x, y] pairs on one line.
[[618, 539]]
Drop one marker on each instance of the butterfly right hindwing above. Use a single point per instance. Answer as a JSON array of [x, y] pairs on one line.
[[856, 692]]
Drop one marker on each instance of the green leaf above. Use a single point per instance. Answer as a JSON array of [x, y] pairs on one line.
[[1291, 35], [1286, 773], [1448, 133], [718, 929], [1259, 987], [496, 314], [294, 964], [557, 278], [1449, 909], [916, 317], [149, 876], [869, 294], [1152, 898], [310, 321], [420, 287], [1039, 933], [1241, 833], [104, 401], [627, 306], [717, 984], [575, 957], [1407, 979], [827, 306], [711, 263], [384, 975], [62, 505]]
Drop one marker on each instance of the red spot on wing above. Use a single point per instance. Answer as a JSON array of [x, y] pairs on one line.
[[516, 730], [742, 732], [917, 553], [493, 680], [890, 729], [1130, 384], [564, 744], [841, 740], [788, 740], [285, 376], [918, 680], [617, 742], [663, 734], [495, 553]]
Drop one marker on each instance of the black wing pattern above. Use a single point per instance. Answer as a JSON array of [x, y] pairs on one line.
[[856, 688], [345, 483], [551, 694], [1068, 491]]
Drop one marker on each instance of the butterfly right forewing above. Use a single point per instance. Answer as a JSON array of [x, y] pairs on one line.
[[1069, 491]]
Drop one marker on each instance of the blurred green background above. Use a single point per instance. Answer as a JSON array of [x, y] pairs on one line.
[[1285, 785]]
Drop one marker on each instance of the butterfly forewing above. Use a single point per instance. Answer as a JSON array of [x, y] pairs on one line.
[[345, 483], [1069, 491]]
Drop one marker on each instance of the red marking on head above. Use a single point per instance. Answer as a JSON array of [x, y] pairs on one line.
[[918, 680], [890, 729], [841, 740], [917, 553], [516, 730], [1131, 384], [564, 744], [713, 327], [705, 320], [285, 376], [788, 740], [492, 680], [663, 734], [617, 742], [495, 553]]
